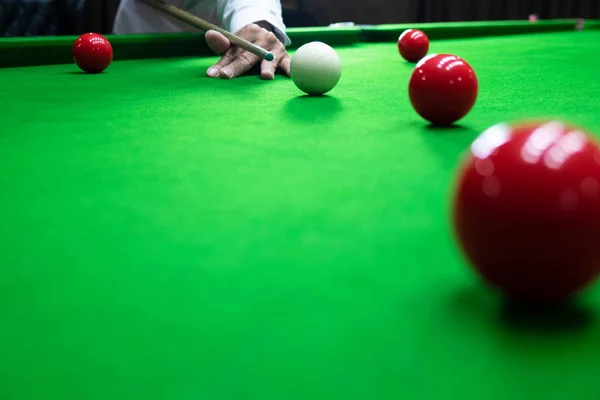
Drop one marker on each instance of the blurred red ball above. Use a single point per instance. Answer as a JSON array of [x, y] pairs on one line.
[[526, 209]]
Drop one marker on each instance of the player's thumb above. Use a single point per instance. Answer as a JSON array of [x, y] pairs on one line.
[[217, 42]]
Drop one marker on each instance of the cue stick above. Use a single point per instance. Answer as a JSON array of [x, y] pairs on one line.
[[203, 25]]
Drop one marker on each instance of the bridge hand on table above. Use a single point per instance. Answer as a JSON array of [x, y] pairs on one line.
[[236, 61]]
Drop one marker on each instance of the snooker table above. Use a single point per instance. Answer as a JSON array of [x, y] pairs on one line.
[[169, 236]]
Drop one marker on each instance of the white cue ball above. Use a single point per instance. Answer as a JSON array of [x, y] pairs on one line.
[[315, 68]]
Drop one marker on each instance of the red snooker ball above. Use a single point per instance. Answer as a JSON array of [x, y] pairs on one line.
[[443, 88], [413, 45], [92, 53], [526, 210]]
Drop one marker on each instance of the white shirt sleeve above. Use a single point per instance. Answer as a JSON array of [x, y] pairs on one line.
[[232, 15], [235, 14]]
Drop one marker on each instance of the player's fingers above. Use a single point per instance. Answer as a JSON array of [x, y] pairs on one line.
[[217, 42], [270, 41], [281, 62], [229, 56], [284, 65], [267, 69], [242, 64]]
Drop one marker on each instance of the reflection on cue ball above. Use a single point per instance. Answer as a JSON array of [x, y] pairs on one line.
[[316, 68]]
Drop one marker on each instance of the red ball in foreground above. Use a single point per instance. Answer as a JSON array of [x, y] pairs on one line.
[[413, 45], [526, 210], [92, 53], [443, 88]]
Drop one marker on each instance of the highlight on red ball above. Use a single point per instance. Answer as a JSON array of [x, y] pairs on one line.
[[526, 209], [413, 45], [92, 52]]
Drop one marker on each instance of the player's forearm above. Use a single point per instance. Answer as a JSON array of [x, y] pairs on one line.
[[235, 14]]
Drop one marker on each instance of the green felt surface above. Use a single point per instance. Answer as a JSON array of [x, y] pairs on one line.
[[168, 236]]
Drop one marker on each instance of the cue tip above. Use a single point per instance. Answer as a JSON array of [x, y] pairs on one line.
[[269, 56]]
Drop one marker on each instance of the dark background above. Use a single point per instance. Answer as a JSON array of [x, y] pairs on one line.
[[69, 17]]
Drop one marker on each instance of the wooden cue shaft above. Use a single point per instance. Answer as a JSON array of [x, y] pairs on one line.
[[203, 25]]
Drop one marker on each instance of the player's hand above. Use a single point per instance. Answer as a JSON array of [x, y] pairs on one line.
[[236, 61]]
